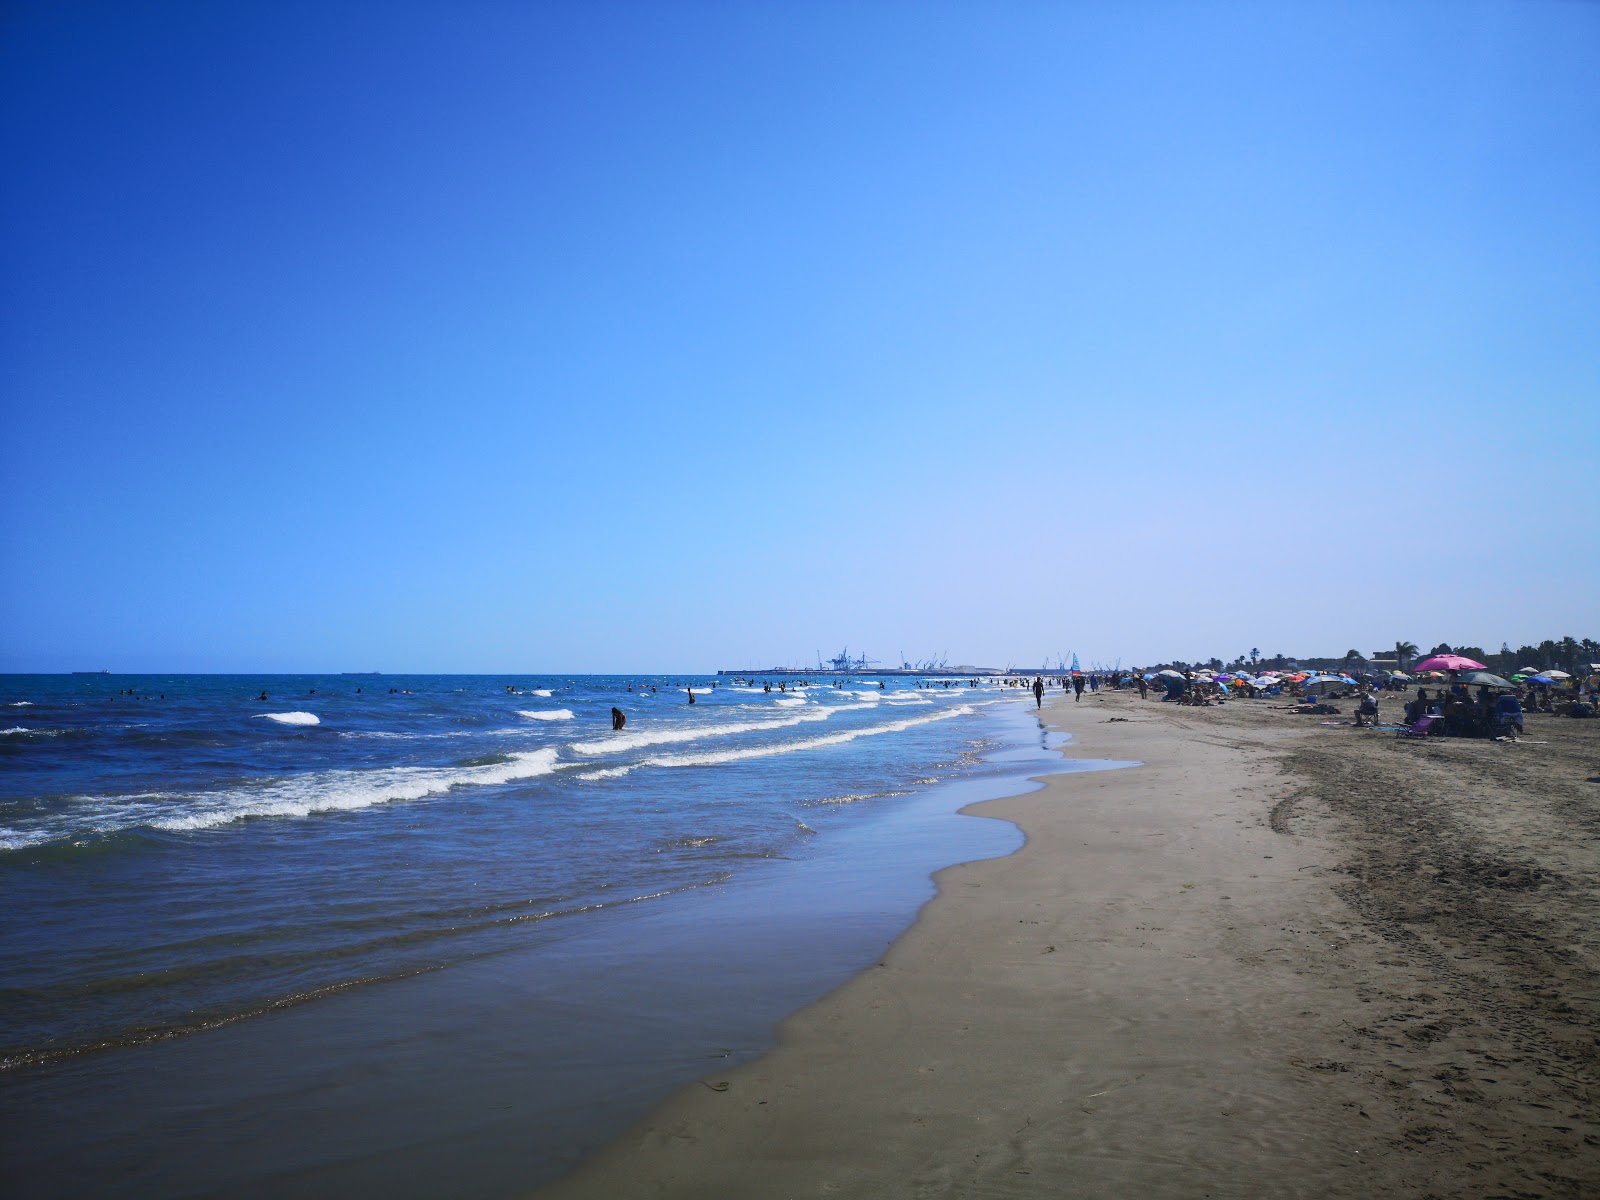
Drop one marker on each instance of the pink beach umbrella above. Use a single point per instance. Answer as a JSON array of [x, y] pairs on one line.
[[1448, 662]]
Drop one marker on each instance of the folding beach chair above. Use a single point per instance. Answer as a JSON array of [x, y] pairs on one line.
[[1428, 726], [1508, 711]]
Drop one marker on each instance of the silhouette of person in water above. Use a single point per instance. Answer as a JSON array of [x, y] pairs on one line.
[[691, 695], [1038, 691], [263, 696], [618, 717]]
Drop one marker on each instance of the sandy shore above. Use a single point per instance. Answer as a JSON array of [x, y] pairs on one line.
[[1280, 958]]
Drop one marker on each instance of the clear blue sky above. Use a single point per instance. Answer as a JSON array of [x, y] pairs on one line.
[[588, 336]]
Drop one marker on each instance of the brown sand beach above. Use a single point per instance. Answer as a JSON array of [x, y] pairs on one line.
[[1281, 958]]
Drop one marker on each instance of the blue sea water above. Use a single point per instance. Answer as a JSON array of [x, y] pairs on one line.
[[177, 853]]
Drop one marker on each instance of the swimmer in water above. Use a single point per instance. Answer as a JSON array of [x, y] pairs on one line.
[[691, 695], [618, 717]]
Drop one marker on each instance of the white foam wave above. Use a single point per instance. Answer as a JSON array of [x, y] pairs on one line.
[[656, 736], [604, 773], [15, 729], [717, 757], [19, 704], [546, 714], [545, 692], [293, 718], [786, 702], [327, 791]]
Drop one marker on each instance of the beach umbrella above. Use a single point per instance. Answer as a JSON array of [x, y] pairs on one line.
[[1483, 679], [1400, 675], [1448, 662], [1171, 674], [1529, 670], [1519, 676], [1558, 675], [1544, 679]]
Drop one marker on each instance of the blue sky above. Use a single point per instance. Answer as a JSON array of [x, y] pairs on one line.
[[517, 337]]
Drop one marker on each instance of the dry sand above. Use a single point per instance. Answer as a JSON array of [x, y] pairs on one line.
[[1281, 958]]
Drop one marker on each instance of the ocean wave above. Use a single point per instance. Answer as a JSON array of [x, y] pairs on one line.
[[16, 729], [604, 773], [656, 736], [544, 692], [788, 702], [19, 704], [324, 792], [546, 714], [717, 757], [293, 718]]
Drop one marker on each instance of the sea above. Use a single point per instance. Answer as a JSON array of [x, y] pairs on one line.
[[212, 880]]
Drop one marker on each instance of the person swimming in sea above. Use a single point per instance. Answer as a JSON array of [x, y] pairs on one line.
[[618, 717]]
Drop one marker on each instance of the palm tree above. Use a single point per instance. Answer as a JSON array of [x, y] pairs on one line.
[[1403, 651], [1255, 653], [1569, 654]]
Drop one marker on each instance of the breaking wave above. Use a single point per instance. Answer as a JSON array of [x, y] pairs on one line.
[[292, 718]]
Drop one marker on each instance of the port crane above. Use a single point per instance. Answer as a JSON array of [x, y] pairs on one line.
[[842, 664]]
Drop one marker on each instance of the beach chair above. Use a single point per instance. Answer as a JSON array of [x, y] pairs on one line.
[[1425, 726], [1508, 711]]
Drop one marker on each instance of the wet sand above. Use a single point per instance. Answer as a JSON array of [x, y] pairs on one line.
[[1281, 958]]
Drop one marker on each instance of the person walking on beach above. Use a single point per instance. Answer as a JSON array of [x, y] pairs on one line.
[[1077, 686], [1038, 692]]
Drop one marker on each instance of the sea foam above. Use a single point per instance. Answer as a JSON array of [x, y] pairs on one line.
[[546, 714], [657, 736], [716, 757], [300, 796], [293, 718]]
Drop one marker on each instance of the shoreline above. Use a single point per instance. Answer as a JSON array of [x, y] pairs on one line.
[[1174, 988], [395, 1085]]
